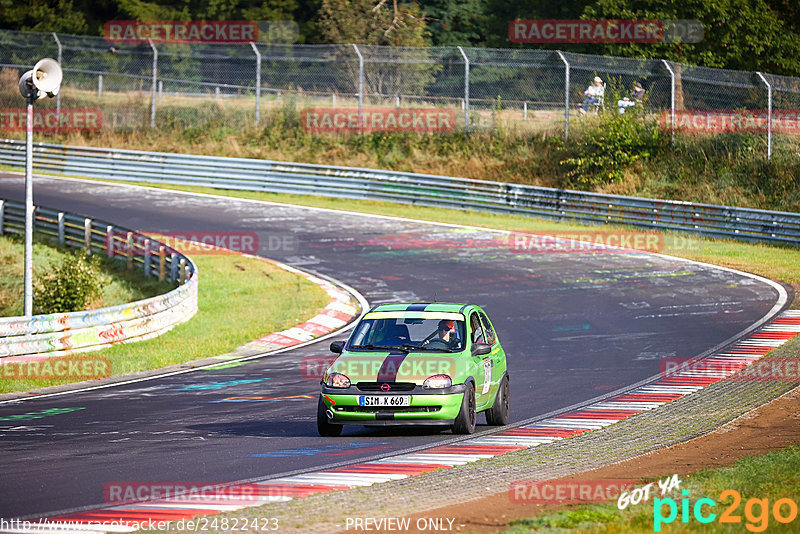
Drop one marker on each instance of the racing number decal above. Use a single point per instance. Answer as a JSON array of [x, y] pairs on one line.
[[487, 375]]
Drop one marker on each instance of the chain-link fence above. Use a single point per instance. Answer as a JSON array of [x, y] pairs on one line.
[[119, 87]]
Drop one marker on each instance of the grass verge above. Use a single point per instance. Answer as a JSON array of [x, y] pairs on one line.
[[119, 284], [240, 299], [765, 478]]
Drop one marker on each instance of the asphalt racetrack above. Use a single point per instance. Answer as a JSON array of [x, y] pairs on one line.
[[574, 325]]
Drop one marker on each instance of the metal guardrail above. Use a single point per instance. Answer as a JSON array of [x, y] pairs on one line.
[[60, 334], [411, 188]]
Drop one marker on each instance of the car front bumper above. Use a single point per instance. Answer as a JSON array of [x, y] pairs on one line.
[[427, 407]]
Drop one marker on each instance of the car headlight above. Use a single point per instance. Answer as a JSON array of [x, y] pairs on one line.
[[337, 380], [438, 382]]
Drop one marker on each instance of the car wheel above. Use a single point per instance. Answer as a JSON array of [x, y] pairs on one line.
[[465, 422], [497, 415], [326, 429]]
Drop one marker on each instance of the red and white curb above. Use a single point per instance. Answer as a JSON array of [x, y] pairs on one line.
[[595, 416]]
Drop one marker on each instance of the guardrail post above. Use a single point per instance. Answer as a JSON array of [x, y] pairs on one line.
[[360, 85], [769, 115], [566, 93], [173, 266], [466, 88], [147, 257], [2, 215], [110, 241], [162, 263], [153, 89], [58, 96], [61, 228], [258, 81], [87, 235], [129, 249], [671, 98], [182, 279]]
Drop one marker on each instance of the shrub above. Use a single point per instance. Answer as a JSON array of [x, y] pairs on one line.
[[610, 143], [69, 286]]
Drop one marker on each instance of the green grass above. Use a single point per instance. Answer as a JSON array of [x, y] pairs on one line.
[[606, 154], [240, 299], [119, 284], [772, 476]]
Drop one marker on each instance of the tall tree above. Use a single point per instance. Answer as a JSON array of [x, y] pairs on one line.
[[739, 34], [42, 16]]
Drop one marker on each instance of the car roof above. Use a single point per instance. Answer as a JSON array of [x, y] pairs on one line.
[[423, 306]]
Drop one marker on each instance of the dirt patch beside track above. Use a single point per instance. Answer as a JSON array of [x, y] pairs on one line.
[[770, 427]]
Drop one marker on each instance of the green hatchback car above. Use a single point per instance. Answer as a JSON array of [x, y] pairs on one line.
[[416, 364]]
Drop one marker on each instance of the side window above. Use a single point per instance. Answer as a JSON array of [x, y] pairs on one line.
[[490, 337], [475, 327]]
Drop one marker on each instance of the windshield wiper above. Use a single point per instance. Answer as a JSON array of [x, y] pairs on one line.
[[368, 346]]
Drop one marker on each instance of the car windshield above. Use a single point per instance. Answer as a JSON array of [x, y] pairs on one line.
[[441, 332]]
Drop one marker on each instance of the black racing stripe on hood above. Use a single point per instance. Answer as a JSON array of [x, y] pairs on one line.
[[390, 366]]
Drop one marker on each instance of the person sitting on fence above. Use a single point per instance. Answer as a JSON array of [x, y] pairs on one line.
[[636, 98], [594, 95]]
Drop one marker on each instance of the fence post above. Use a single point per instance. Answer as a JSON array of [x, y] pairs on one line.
[[258, 81], [566, 94], [671, 98], [769, 115], [466, 88], [61, 228], [110, 241], [147, 257], [155, 79], [162, 263], [360, 84], [160, 90], [525, 111], [129, 249], [2, 215], [99, 86], [58, 96], [87, 235], [173, 267]]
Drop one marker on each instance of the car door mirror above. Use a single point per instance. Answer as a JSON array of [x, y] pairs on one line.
[[337, 347], [479, 349]]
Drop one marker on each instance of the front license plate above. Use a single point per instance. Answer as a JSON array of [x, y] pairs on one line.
[[385, 400]]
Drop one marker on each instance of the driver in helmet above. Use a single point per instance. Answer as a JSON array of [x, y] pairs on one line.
[[445, 334]]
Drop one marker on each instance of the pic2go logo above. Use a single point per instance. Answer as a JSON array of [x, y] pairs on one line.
[[756, 511]]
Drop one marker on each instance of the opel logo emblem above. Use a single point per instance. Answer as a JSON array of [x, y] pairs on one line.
[[385, 387]]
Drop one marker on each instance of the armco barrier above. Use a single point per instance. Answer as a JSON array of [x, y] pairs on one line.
[[61, 334], [411, 188]]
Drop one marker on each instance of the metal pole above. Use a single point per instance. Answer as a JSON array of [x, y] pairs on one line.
[[258, 81], [58, 96], [360, 84], [28, 282], [155, 79], [99, 86], [769, 115], [672, 98], [466, 88], [566, 94]]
